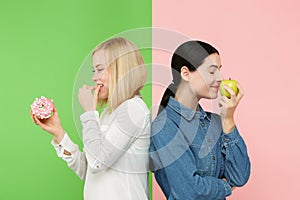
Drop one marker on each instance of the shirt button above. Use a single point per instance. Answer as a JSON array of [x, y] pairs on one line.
[[202, 124], [209, 140], [60, 145], [213, 158], [97, 166], [224, 140]]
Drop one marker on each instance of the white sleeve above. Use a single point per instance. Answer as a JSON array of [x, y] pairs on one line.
[[76, 161], [105, 144]]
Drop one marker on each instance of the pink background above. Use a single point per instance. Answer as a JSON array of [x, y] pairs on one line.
[[259, 46]]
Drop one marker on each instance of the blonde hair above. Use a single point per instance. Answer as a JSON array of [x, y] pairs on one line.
[[127, 72]]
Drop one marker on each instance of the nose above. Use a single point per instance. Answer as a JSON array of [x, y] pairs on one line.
[[95, 76], [219, 76]]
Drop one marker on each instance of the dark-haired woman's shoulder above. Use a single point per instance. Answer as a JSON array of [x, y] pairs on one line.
[[163, 129]]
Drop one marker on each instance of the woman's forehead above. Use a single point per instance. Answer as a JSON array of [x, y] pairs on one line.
[[99, 58], [212, 59]]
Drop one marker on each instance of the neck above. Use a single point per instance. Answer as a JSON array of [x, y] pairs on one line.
[[185, 96]]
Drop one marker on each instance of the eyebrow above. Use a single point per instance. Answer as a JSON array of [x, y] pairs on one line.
[[98, 65], [216, 66]]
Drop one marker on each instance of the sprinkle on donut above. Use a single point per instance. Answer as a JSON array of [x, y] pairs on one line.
[[42, 107]]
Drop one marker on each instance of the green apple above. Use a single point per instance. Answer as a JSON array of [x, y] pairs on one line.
[[230, 83]]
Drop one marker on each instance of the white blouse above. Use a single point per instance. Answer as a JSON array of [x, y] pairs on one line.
[[114, 162]]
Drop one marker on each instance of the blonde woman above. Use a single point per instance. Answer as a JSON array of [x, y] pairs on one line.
[[115, 158]]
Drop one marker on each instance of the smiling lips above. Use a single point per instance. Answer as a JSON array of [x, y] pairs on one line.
[[216, 87]]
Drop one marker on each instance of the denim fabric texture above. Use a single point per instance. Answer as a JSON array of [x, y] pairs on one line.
[[190, 154]]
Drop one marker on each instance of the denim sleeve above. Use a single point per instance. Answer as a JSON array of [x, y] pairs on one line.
[[177, 175], [237, 163]]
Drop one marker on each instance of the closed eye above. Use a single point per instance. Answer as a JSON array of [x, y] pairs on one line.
[[213, 68], [98, 70]]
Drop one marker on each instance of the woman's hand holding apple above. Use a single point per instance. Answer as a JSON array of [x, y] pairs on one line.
[[229, 105]]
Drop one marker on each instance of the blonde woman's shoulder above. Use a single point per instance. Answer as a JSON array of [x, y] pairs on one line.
[[135, 108]]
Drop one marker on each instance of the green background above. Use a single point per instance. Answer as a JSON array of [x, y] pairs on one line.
[[42, 46]]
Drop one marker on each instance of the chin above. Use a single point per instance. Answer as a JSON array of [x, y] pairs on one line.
[[102, 97], [212, 96]]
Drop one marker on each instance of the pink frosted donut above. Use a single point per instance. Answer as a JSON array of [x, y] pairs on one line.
[[42, 107]]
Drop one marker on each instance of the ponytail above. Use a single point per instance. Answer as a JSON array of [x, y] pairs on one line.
[[169, 92]]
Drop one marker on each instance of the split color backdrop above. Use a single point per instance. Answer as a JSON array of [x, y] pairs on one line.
[[259, 46], [43, 44]]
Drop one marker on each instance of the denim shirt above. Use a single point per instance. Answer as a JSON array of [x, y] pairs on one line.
[[190, 155]]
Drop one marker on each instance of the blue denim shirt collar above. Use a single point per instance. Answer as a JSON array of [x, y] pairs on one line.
[[186, 112]]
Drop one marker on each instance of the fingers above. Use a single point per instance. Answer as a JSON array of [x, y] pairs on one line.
[[225, 100], [32, 117], [86, 88], [36, 120], [230, 91], [228, 103], [40, 123], [241, 92], [222, 102], [83, 92], [94, 87], [235, 97], [232, 188], [55, 112], [88, 97], [96, 92], [54, 108]]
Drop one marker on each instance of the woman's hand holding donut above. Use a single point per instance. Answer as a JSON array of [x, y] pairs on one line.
[[228, 107], [52, 125], [87, 99]]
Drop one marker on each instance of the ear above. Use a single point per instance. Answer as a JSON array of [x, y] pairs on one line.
[[185, 73]]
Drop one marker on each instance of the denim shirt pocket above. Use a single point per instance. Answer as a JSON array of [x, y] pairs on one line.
[[203, 165]]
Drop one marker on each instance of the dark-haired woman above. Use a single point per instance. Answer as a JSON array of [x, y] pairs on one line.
[[197, 154]]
